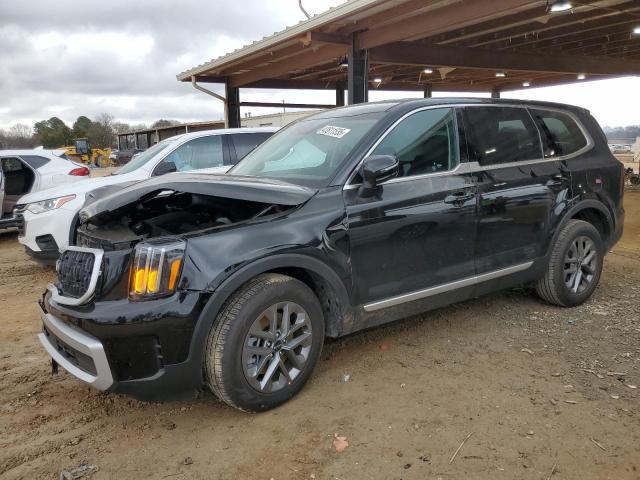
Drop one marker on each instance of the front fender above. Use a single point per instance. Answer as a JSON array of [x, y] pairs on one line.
[[246, 273]]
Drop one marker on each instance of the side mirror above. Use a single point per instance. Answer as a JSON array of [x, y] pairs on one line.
[[376, 169], [165, 167]]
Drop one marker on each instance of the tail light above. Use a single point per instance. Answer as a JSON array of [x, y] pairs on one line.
[[80, 172]]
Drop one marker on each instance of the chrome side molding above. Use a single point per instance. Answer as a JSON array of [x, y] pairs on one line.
[[445, 287]]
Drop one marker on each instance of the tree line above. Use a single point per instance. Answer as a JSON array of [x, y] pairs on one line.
[[55, 133], [621, 133]]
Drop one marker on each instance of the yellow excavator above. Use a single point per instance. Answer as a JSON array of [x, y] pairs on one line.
[[81, 151]]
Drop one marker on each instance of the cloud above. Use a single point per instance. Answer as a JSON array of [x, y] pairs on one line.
[[70, 58]]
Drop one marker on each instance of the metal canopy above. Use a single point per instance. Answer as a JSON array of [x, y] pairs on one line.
[[439, 45]]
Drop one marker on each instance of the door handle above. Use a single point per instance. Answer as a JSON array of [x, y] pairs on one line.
[[459, 198]]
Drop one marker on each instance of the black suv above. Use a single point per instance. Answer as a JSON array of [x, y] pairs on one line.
[[345, 220]]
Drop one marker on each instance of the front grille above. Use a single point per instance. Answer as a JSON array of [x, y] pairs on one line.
[[82, 361], [74, 273], [19, 218]]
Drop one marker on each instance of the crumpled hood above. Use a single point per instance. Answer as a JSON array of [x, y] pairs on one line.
[[252, 189], [74, 188]]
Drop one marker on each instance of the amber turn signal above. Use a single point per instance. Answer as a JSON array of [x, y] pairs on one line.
[[155, 269]]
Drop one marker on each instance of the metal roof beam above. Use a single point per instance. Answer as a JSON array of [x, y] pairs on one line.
[[306, 59], [404, 53]]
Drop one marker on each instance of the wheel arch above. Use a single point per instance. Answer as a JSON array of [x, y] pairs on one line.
[[595, 213], [591, 211], [322, 279]]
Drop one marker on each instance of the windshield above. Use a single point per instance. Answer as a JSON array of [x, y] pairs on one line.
[[308, 152], [144, 157]]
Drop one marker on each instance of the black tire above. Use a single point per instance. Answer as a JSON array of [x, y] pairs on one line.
[[224, 364], [552, 287]]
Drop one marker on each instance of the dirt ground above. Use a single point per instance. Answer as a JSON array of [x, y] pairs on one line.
[[544, 392]]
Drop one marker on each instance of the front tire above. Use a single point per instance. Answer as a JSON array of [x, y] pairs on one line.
[[264, 343], [574, 267]]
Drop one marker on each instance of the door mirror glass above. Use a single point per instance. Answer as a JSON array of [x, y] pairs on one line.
[[376, 169], [166, 166]]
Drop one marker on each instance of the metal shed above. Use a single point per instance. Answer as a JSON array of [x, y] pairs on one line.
[[433, 45]]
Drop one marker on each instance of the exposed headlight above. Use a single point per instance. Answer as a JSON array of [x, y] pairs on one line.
[[49, 204], [156, 268]]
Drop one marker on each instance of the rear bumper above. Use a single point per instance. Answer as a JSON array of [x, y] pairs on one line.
[[80, 354]]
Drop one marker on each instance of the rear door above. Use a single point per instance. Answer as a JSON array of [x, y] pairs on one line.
[[418, 232], [519, 188]]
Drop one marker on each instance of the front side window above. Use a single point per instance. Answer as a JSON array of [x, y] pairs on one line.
[[561, 133], [144, 157], [203, 152], [424, 142], [502, 135]]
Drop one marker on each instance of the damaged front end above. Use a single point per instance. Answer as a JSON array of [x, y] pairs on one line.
[[180, 204], [131, 287]]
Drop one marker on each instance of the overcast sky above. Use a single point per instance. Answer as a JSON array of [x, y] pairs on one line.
[[67, 58]]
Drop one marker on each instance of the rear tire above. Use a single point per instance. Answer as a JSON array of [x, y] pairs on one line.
[[574, 267], [264, 343]]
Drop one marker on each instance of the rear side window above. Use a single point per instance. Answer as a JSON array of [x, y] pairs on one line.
[[561, 134], [35, 161], [424, 142], [245, 142], [502, 135]]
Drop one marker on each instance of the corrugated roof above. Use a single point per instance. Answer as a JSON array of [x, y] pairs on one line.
[[294, 31]]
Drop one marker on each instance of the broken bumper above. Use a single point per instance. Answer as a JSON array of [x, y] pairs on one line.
[[80, 354], [142, 349]]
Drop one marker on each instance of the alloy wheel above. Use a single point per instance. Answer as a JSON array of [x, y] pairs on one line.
[[580, 264], [277, 347]]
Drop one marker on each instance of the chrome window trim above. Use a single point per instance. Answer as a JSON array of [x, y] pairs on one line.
[[474, 167], [445, 287], [95, 274], [81, 341]]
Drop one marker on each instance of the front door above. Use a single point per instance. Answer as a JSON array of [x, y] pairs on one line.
[[519, 188], [418, 231]]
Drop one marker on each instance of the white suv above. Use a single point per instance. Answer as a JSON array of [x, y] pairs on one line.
[[47, 220]]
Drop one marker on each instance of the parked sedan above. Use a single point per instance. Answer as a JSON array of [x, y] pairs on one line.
[[47, 220], [30, 171]]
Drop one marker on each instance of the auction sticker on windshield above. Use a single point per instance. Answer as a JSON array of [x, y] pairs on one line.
[[335, 132]]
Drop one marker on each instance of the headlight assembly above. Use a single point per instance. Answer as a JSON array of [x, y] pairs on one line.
[[49, 204], [156, 268]]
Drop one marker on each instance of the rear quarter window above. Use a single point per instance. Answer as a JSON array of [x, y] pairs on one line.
[[561, 134]]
